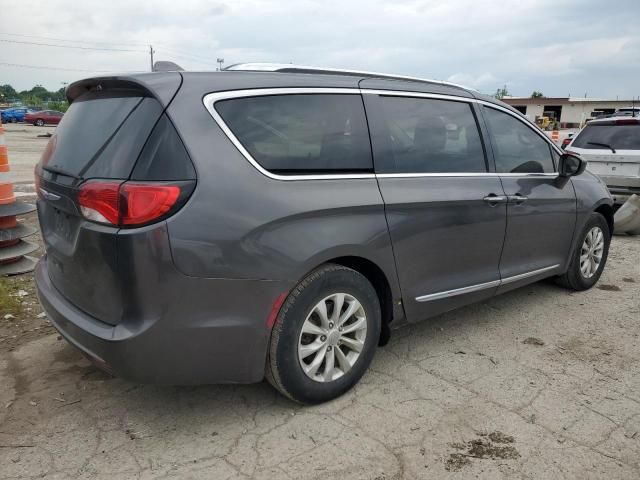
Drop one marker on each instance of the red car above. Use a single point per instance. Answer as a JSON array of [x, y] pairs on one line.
[[43, 117]]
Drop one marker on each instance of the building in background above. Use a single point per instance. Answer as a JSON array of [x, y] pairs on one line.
[[571, 112]]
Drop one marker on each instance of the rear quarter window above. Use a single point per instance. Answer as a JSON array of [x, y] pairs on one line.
[[302, 133], [623, 137], [101, 136]]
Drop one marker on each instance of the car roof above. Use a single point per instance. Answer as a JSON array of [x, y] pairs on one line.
[[269, 75], [612, 119]]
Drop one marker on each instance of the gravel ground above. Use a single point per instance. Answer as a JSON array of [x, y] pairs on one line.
[[538, 383], [25, 144]]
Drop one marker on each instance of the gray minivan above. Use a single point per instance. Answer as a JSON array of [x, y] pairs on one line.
[[227, 226]]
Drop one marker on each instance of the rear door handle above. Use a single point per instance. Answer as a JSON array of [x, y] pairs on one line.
[[492, 199], [517, 198]]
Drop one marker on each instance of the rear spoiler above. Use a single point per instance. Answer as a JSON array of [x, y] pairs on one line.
[[162, 86]]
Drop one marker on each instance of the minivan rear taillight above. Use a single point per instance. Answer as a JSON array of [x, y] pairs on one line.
[[130, 204]]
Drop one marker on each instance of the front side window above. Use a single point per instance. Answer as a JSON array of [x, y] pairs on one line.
[[302, 133], [516, 147], [423, 135]]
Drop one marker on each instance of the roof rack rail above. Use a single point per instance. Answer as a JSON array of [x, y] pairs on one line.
[[291, 68]]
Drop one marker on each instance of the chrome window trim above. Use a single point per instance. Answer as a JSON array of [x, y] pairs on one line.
[[465, 174], [482, 286], [210, 99], [403, 93]]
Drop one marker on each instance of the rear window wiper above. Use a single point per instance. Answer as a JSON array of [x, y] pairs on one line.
[[606, 145]]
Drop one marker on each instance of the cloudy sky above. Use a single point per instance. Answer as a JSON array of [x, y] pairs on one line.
[[558, 47]]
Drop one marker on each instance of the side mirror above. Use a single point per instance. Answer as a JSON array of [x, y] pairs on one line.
[[570, 165]]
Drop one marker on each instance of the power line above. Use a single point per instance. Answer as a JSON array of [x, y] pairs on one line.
[[43, 67], [70, 46], [182, 53], [203, 60], [70, 40], [186, 57]]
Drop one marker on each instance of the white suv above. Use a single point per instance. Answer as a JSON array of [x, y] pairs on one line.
[[611, 146]]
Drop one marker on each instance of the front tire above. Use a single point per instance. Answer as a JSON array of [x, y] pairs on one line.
[[325, 335], [590, 255]]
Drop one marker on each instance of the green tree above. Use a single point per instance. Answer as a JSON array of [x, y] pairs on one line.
[[7, 91], [537, 94], [501, 92], [59, 106]]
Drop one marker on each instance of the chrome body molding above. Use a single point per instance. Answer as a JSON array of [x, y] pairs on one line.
[[482, 286], [457, 291], [532, 273], [210, 100]]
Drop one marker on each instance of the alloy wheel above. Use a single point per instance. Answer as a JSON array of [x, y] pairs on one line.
[[591, 252], [332, 337]]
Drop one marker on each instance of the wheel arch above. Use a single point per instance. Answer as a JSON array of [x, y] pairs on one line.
[[390, 309], [606, 211]]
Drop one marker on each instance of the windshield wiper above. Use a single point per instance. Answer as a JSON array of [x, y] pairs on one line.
[[606, 145]]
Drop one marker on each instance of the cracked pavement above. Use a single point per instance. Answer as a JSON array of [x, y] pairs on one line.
[[571, 404]]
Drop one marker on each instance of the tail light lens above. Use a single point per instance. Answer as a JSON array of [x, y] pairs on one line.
[[100, 202], [145, 202], [129, 204]]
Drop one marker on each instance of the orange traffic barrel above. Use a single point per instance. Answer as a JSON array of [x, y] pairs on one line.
[[14, 250]]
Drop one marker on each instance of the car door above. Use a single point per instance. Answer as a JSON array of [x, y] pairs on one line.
[[541, 208], [445, 210]]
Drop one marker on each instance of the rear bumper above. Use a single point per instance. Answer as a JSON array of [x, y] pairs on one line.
[[210, 331]]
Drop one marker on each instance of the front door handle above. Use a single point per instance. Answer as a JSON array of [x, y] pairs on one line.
[[492, 199], [517, 198]]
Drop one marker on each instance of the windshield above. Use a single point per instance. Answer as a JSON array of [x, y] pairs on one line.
[[623, 137]]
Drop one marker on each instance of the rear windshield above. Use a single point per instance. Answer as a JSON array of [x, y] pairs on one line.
[[623, 137], [307, 133], [100, 136]]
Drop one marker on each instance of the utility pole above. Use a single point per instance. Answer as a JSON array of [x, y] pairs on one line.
[[151, 52], [220, 62]]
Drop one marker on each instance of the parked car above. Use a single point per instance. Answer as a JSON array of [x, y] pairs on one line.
[[14, 115], [627, 112], [44, 117], [611, 146], [223, 226], [567, 140]]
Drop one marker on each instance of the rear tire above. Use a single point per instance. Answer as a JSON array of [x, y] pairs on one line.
[[336, 347], [592, 244], [40, 122]]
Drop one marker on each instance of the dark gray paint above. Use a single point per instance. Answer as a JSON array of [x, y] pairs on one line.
[[198, 288]]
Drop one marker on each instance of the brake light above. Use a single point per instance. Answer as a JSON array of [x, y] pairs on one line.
[[146, 202], [100, 202], [126, 203], [566, 142], [628, 121]]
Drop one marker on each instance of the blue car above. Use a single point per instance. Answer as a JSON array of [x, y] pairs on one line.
[[13, 115]]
